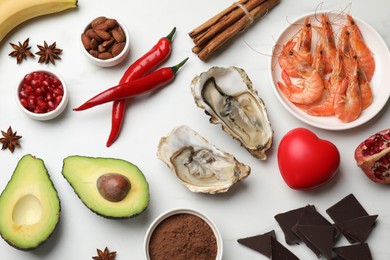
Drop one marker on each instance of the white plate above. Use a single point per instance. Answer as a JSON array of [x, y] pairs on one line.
[[380, 82]]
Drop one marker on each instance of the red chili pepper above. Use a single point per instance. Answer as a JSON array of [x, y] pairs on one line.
[[152, 81], [139, 68]]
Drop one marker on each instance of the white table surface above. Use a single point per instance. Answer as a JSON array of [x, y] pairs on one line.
[[249, 208]]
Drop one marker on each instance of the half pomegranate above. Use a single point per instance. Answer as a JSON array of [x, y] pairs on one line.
[[373, 157]]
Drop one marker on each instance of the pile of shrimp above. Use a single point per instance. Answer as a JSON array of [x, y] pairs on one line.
[[332, 77]]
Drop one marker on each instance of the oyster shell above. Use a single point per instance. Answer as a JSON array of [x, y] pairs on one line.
[[199, 165], [227, 95]]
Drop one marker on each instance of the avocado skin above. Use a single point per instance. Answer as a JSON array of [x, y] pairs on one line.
[[96, 161], [57, 197]]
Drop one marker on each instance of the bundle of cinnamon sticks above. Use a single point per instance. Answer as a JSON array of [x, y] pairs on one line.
[[216, 31]]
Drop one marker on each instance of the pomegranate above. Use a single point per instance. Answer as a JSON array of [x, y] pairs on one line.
[[373, 156], [40, 92]]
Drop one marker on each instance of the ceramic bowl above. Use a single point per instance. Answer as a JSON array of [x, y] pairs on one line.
[[113, 61], [379, 83], [47, 115], [170, 213]]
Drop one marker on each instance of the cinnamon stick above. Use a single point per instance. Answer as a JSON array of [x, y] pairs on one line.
[[206, 25], [212, 34], [225, 21]]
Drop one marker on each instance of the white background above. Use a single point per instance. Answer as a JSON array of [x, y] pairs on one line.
[[248, 208]]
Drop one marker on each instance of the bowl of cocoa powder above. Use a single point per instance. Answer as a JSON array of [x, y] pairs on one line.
[[183, 234], [105, 41]]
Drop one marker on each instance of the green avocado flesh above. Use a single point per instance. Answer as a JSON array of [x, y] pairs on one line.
[[29, 205], [82, 174]]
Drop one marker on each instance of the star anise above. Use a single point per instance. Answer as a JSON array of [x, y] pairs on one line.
[[21, 51], [10, 140], [106, 255], [48, 53]]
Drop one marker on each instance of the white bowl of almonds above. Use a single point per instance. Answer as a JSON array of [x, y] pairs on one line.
[[105, 41]]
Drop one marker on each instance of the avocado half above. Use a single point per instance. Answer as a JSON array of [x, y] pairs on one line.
[[83, 172], [29, 205]]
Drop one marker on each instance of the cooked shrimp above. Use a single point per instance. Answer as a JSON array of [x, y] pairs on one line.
[[344, 46], [347, 100], [284, 62], [323, 106], [328, 45], [365, 89], [363, 54], [309, 87], [346, 49], [318, 59], [302, 43]]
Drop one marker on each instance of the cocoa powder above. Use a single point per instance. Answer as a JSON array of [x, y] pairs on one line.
[[183, 236]]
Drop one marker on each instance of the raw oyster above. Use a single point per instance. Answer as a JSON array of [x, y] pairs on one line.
[[227, 95], [199, 165]]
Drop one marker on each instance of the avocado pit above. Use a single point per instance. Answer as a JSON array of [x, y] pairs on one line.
[[113, 186]]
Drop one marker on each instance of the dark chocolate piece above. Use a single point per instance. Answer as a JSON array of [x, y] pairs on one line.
[[311, 217], [280, 252], [354, 252], [260, 243], [358, 229], [346, 209], [286, 221], [348, 214], [320, 237]]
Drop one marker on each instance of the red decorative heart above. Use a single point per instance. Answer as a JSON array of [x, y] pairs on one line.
[[306, 161]]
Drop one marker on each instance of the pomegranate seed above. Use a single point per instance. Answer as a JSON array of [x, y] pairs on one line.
[[58, 100], [51, 105], [35, 83], [49, 96], [24, 102], [28, 89], [23, 94], [45, 83], [59, 91], [28, 78], [39, 91]]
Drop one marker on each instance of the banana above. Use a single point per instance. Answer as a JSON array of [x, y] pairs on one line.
[[15, 12]]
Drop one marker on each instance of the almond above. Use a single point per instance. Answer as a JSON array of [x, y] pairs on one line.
[[94, 53], [108, 43], [86, 41], [92, 35], [117, 48], [98, 20], [111, 23], [103, 35], [105, 56], [94, 44], [118, 35], [102, 26]]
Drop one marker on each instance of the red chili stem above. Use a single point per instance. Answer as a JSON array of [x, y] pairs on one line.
[[152, 81], [150, 60]]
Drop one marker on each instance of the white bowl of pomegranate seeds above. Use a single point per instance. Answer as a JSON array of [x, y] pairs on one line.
[[105, 41], [42, 95]]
